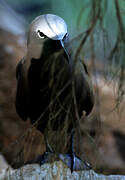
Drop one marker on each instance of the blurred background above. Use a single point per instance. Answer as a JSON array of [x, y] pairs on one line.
[[97, 33]]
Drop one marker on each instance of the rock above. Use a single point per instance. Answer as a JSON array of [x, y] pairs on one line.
[[54, 171], [4, 167], [3, 163]]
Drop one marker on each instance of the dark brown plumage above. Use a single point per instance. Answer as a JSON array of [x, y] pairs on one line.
[[52, 90], [46, 88]]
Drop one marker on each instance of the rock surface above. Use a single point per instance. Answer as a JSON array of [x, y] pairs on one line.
[[54, 171], [4, 167]]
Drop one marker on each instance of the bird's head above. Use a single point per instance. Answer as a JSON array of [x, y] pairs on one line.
[[47, 26]]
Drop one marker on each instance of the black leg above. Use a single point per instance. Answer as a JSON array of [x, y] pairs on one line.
[[70, 158], [47, 156], [48, 147], [71, 150], [73, 161]]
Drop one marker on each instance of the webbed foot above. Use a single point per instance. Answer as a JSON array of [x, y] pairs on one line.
[[70, 159], [73, 161]]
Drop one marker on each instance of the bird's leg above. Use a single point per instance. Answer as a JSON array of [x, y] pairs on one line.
[[48, 147], [71, 150], [75, 163], [70, 158], [47, 155]]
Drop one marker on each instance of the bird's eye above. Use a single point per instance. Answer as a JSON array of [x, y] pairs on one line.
[[41, 35]]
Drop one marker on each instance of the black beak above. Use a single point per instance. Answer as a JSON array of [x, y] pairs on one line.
[[66, 52]]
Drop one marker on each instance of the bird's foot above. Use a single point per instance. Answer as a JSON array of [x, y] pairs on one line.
[[74, 162], [70, 159], [46, 157]]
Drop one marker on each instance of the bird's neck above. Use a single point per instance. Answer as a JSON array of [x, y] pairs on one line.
[[34, 50], [50, 47]]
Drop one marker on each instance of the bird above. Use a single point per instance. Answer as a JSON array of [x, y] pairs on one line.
[[52, 88]]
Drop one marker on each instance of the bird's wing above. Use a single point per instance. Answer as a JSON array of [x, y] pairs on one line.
[[83, 88], [22, 91]]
